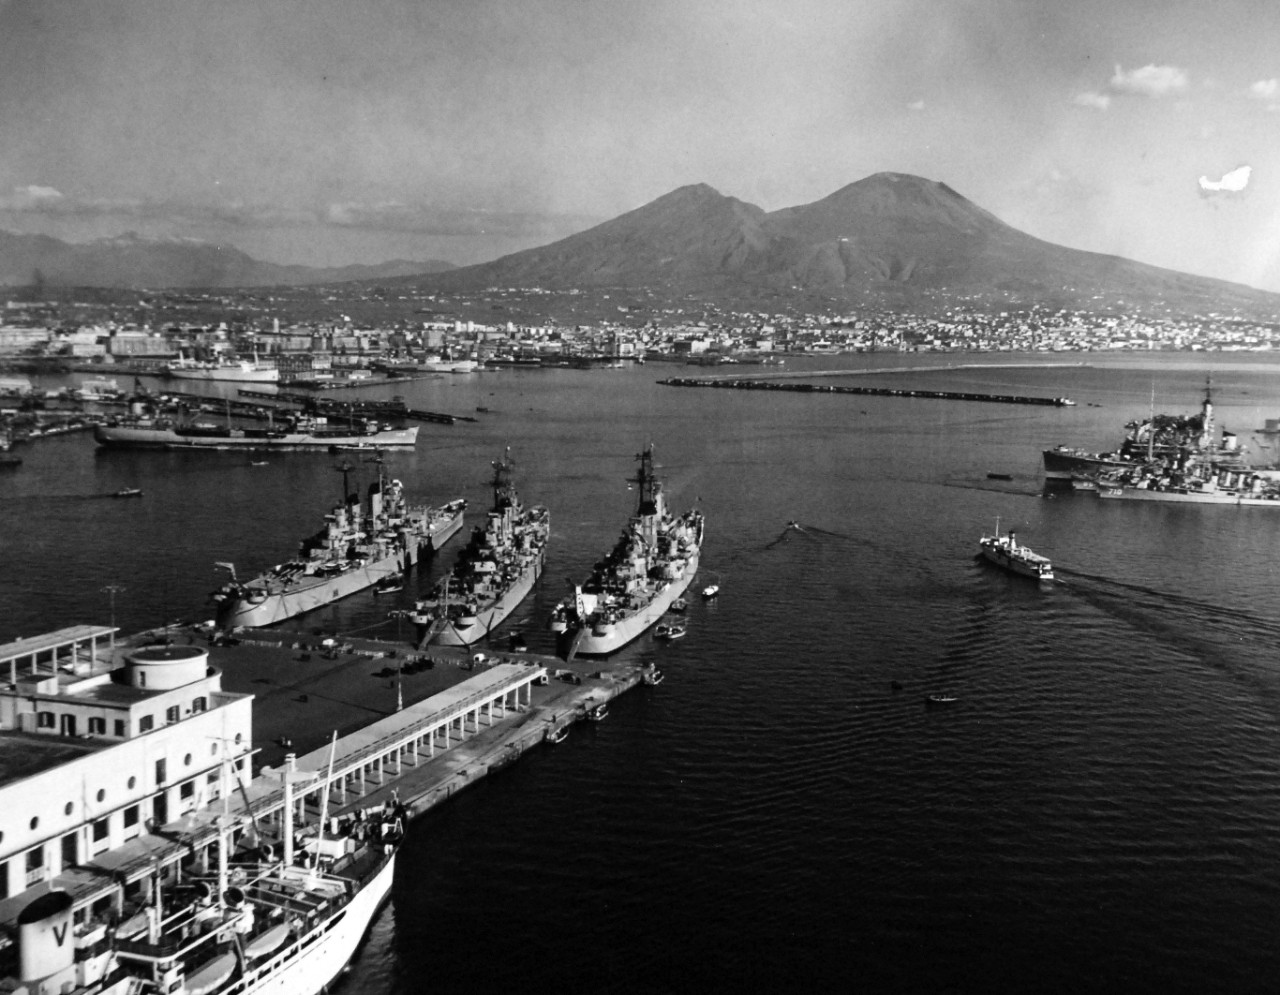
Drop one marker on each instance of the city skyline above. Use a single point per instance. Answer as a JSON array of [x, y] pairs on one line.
[[323, 134]]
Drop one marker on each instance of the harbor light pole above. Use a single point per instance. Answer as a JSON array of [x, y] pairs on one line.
[[112, 590]]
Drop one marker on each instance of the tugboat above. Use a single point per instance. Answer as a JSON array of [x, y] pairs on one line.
[[1004, 551], [358, 547], [648, 569], [494, 573]]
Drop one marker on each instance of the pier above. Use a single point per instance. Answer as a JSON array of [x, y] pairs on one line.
[[415, 731]]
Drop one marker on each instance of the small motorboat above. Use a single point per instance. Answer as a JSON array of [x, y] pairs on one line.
[[669, 632], [125, 492], [939, 699], [557, 734], [598, 713], [257, 462], [652, 676], [389, 585], [710, 591], [678, 606]]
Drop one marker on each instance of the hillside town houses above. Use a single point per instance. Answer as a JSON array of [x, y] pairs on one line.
[[696, 333]]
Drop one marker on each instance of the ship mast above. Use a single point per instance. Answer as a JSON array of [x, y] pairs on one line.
[[1151, 426], [502, 477], [1206, 431], [647, 483]]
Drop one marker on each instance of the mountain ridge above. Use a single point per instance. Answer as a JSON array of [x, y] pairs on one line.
[[134, 261], [893, 234]]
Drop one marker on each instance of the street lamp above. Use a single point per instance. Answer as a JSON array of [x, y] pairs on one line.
[[112, 590]]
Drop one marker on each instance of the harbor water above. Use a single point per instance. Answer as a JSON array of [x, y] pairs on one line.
[[1097, 810]]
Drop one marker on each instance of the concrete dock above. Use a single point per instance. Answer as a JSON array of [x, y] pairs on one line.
[[416, 725]]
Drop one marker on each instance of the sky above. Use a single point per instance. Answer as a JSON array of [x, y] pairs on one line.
[[327, 132]]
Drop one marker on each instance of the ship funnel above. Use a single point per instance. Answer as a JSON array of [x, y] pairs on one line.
[[46, 945]]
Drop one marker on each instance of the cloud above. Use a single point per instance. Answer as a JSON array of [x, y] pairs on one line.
[[916, 105], [386, 216], [1233, 182], [426, 219], [1098, 101], [30, 198], [1267, 91], [1149, 81]]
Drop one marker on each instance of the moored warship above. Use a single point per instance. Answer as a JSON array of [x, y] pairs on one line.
[[358, 547], [1158, 437], [493, 574], [651, 565], [304, 434]]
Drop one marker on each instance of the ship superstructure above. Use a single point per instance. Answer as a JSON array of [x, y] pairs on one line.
[[1005, 551], [650, 566], [1156, 438], [360, 545], [494, 573], [126, 869]]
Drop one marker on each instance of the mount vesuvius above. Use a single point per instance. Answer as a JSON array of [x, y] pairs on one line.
[[891, 234]]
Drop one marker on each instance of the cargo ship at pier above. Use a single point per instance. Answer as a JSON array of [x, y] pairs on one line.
[[630, 590], [190, 900], [358, 547], [304, 434], [235, 371], [493, 574]]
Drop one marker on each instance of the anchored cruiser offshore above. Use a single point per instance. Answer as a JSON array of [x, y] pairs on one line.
[[494, 573], [357, 548], [652, 564], [1004, 551]]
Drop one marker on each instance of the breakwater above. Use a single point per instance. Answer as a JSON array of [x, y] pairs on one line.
[[810, 388]]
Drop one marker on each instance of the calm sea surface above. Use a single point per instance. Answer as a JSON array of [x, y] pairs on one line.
[[1097, 812]]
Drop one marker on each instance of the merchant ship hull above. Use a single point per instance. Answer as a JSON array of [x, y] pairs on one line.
[[313, 960], [130, 437], [605, 638], [226, 374], [1001, 558], [472, 628]]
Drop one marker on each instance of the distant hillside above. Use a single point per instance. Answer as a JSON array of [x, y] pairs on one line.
[[131, 261], [891, 234]]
